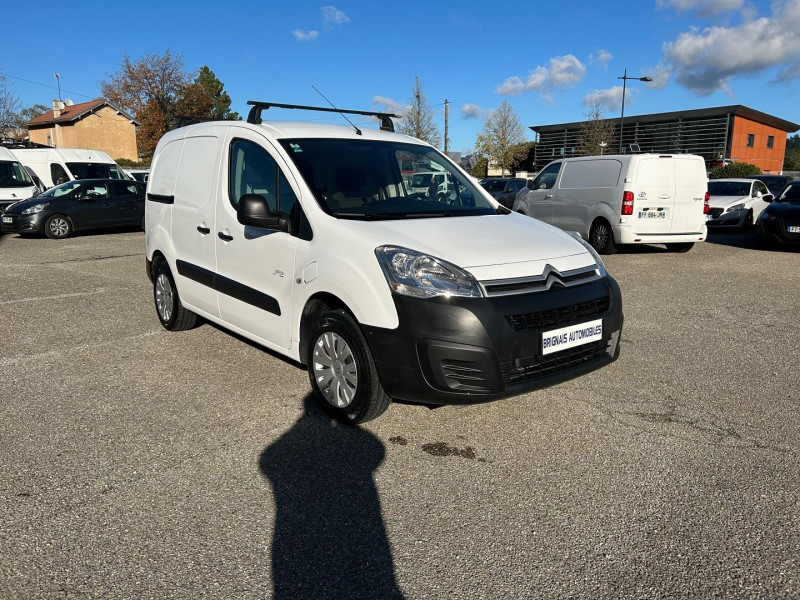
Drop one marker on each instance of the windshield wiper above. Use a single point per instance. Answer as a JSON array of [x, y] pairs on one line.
[[392, 216]]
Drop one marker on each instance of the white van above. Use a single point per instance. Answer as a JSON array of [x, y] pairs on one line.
[[626, 199], [59, 165], [15, 183], [305, 238]]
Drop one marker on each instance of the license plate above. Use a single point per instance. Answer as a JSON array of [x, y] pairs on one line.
[[6, 219], [793, 229], [569, 337], [652, 214]]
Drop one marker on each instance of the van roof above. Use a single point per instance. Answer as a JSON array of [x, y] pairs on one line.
[[68, 154]]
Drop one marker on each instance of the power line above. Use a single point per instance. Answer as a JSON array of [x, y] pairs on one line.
[[52, 87]]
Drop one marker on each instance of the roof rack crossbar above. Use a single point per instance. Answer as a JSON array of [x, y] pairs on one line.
[[254, 116]]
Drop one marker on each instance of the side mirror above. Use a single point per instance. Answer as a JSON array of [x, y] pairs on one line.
[[529, 184], [254, 211], [768, 197]]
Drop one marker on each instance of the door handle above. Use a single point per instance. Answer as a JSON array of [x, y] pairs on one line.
[[548, 195], [226, 238], [203, 230], [664, 196]]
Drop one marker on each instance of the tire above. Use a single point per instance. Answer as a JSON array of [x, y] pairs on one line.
[[342, 372], [680, 247], [602, 238], [171, 313], [57, 227]]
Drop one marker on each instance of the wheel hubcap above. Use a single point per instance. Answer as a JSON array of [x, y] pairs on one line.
[[335, 370], [164, 297], [58, 227]]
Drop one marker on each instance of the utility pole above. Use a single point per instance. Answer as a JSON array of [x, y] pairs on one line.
[[446, 113]]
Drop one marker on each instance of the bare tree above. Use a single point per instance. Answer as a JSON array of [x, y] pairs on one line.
[[596, 133], [417, 121], [502, 137], [9, 106]]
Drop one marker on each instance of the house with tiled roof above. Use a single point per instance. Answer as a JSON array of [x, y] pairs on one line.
[[95, 125]]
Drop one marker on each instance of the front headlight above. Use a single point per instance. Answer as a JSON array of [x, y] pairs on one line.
[[736, 207], [601, 268], [412, 273], [36, 208]]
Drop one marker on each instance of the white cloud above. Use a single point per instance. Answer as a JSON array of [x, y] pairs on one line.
[[332, 16], [601, 57], [472, 111], [389, 105], [608, 100], [704, 61], [701, 7], [562, 72], [305, 36]]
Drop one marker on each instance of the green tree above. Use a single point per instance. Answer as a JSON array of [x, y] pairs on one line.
[[205, 98], [30, 113], [481, 168], [417, 121], [501, 138], [526, 161], [734, 170], [791, 161]]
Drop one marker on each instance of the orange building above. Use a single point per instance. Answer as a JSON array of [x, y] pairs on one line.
[[720, 135], [95, 125]]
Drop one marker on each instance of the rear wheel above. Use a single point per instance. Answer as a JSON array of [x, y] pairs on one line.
[[57, 227], [170, 311], [342, 371], [680, 247], [602, 238]]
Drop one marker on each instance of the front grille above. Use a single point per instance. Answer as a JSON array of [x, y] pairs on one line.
[[555, 364], [549, 279], [558, 316], [715, 212], [784, 225]]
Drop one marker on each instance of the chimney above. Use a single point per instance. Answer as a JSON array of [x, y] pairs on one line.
[[56, 109]]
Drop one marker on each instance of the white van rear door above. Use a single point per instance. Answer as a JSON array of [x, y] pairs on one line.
[[691, 185], [653, 190]]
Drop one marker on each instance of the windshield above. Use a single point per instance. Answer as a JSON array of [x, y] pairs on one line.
[[729, 188], [96, 171], [790, 194], [13, 175], [494, 185], [61, 190], [369, 179]]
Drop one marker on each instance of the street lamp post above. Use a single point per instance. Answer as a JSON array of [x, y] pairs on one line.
[[622, 116]]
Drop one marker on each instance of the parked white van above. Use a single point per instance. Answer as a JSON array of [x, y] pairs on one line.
[[15, 183], [59, 165], [304, 238], [625, 199]]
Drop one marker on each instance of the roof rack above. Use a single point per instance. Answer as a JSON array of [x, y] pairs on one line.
[[254, 116]]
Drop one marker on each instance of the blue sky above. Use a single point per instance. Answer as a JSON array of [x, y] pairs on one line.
[[550, 60]]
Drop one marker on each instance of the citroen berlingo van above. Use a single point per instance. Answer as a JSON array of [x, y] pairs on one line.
[[626, 199], [305, 238]]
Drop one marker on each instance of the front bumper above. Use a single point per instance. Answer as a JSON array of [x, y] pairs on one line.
[[22, 223], [472, 350], [777, 230], [729, 220]]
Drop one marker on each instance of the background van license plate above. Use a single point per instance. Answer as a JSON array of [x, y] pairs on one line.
[[652, 214], [569, 337], [794, 228]]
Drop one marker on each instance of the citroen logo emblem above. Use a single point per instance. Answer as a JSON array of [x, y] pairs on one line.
[[552, 278]]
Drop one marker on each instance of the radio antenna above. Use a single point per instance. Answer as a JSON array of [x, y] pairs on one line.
[[358, 131]]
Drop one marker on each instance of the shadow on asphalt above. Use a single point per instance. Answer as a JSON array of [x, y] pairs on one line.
[[329, 540]]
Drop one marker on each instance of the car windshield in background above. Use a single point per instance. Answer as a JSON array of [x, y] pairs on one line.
[[372, 179], [494, 185], [728, 188], [95, 171], [790, 194], [13, 175]]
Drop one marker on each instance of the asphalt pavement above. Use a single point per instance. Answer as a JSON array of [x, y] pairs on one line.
[[139, 463]]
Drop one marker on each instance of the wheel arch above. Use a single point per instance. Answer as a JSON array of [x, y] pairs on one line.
[[314, 308]]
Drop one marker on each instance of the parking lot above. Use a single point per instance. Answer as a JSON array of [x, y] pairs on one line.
[[138, 463]]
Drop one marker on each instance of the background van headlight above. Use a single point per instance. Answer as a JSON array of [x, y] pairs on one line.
[[36, 208], [412, 273]]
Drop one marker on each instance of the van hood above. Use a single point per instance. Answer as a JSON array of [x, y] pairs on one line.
[[490, 246], [17, 193], [726, 201]]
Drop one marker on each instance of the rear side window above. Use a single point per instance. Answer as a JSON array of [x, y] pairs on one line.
[[165, 169], [125, 188], [583, 174]]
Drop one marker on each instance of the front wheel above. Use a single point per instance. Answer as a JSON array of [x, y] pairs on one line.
[[601, 237], [57, 227], [342, 371], [171, 313], [680, 247]]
